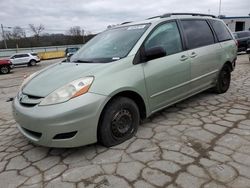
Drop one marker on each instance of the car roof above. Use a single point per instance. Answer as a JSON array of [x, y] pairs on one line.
[[23, 53], [168, 16]]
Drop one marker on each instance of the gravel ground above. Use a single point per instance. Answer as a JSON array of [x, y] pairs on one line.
[[201, 142]]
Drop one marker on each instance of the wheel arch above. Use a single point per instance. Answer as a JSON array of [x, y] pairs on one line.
[[133, 95], [32, 60], [229, 64]]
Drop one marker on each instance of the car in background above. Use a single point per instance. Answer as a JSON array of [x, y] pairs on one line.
[[243, 39], [30, 59], [70, 51], [5, 66]]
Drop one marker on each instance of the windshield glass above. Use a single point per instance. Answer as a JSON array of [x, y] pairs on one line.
[[111, 45]]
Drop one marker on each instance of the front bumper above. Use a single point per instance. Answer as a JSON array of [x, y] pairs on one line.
[[70, 124]]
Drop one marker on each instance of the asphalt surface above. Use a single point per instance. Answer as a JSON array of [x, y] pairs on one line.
[[200, 142]]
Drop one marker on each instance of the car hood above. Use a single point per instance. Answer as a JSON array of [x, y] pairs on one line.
[[5, 61], [54, 77]]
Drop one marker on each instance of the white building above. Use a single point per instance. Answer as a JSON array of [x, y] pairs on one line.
[[240, 23]]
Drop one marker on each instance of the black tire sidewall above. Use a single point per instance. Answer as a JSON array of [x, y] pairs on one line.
[[105, 136], [4, 67], [32, 63], [219, 86]]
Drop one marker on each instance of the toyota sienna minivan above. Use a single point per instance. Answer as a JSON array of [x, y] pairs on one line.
[[124, 75]]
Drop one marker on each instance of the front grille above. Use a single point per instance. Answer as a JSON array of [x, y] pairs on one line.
[[27, 104], [29, 100]]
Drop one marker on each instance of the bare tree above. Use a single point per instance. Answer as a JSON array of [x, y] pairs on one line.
[[18, 32], [75, 31], [8, 35], [88, 33], [37, 29]]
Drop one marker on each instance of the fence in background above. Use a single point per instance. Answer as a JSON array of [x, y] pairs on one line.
[[9, 52]]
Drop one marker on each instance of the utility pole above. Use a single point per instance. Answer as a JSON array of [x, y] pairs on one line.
[[219, 8], [83, 38], [4, 37]]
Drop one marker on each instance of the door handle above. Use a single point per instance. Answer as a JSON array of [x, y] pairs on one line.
[[193, 54], [183, 58]]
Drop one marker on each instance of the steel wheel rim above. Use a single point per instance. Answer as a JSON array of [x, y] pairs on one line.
[[121, 124]]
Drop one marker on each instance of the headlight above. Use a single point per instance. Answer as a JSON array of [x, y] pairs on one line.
[[74, 89]]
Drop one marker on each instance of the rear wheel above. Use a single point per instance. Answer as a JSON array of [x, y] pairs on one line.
[[224, 80], [119, 122], [32, 63], [5, 69]]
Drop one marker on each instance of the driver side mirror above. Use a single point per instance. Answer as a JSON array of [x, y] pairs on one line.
[[154, 53]]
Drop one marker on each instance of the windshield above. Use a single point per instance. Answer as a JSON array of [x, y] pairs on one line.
[[111, 45]]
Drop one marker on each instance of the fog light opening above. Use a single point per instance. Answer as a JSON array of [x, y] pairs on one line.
[[64, 135]]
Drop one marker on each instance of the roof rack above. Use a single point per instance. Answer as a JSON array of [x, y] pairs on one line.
[[191, 14], [125, 23]]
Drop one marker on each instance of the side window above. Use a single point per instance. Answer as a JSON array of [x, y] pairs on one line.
[[18, 56], [166, 36], [198, 33], [221, 30], [25, 55]]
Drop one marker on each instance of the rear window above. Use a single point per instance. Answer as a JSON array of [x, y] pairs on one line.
[[221, 30], [198, 33]]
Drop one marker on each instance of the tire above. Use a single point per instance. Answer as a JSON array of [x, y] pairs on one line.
[[32, 63], [119, 122], [224, 79], [5, 69]]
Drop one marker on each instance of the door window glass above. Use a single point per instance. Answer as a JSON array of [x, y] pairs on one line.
[[166, 36]]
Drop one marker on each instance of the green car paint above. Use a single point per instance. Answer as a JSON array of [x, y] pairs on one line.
[[159, 82]]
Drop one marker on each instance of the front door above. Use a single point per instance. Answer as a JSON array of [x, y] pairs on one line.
[[167, 78]]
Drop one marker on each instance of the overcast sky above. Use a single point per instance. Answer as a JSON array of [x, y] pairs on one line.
[[95, 15]]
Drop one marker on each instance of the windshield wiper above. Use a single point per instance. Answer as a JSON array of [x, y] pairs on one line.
[[82, 61]]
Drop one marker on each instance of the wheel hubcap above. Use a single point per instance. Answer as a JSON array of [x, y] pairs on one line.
[[121, 123]]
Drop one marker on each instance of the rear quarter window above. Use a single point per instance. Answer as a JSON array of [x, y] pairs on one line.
[[221, 30], [197, 33]]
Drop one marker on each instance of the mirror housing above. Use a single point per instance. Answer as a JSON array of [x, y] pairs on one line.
[[154, 53], [69, 56]]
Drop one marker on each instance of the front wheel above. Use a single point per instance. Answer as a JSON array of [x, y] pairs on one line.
[[224, 80], [5, 69], [119, 122]]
